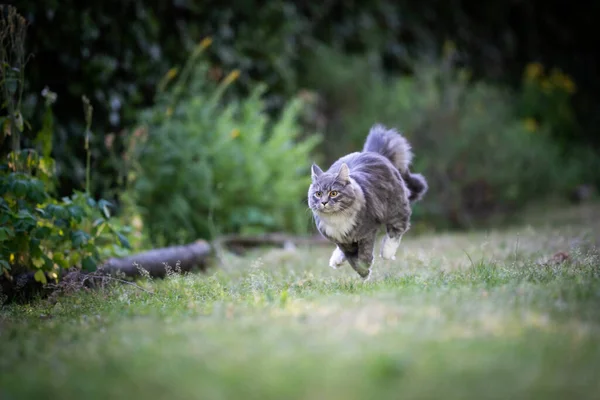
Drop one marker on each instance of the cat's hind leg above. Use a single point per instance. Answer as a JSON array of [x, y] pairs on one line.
[[361, 259], [395, 227], [337, 258]]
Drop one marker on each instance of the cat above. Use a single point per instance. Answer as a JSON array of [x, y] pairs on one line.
[[362, 191]]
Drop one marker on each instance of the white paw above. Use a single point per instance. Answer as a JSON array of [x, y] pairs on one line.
[[389, 247], [337, 258]]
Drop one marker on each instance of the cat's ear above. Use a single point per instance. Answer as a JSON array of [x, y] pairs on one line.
[[344, 174], [315, 171]]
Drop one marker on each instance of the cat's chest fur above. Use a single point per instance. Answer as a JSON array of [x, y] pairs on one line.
[[338, 227]]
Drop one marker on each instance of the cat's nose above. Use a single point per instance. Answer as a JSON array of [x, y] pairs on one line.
[[325, 202]]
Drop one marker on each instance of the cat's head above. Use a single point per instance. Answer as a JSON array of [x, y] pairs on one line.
[[331, 192]]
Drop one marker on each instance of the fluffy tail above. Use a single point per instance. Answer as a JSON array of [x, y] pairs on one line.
[[390, 144]]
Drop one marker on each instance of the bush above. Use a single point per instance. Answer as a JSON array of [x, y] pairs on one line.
[[545, 100], [40, 234], [205, 166], [480, 158]]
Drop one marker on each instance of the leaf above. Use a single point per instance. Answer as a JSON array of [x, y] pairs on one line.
[[4, 205], [5, 233], [43, 232], [25, 214], [59, 258], [38, 262], [19, 121], [5, 265], [61, 223], [36, 192], [19, 188], [98, 229], [79, 238], [40, 276], [76, 213], [88, 264], [123, 240], [103, 205], [56, 211]]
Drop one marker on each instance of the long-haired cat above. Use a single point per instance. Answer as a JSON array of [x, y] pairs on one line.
[[362, 191]]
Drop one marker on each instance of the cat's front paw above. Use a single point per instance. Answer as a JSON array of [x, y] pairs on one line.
[[337, 258], [367, 277], [389, 248]]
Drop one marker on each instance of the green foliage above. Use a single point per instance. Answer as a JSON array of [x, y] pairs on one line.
[[117, 58], [546, 99], [118, 62], [41, 234], [44, 235], [480, 158], [208, 166], [13, 28]]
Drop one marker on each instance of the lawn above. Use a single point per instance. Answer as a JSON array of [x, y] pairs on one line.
[[476, 315]]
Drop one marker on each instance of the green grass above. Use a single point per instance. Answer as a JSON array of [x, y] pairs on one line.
[[457, 316]]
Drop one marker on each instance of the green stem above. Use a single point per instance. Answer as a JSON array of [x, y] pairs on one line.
[[87, 172], [88, 161]]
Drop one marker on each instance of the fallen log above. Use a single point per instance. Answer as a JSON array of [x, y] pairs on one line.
[[240, 243], [197, 253], [183, 258]]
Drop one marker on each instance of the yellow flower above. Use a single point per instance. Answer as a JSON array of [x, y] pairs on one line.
[[207, 41], [168, 77], [546, 86], [172, 73], [12, 258], [533, 71], [169, 111], [233, 75], [531, 124], [557, 77], [235, 133], [569, 85]]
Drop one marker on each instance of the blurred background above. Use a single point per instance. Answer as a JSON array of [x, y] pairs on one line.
[[207, 115]]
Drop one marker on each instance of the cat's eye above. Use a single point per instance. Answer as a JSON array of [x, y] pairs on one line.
[[333, 193], [318, 194]]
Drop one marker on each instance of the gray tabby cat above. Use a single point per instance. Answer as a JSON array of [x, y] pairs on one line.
[[362, 191]]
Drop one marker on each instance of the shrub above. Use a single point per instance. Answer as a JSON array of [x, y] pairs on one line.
[[480, 157], [40, 234], [205, 166], [545, 99]]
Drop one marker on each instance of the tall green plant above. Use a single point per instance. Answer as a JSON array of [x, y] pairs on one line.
[[13, 29], [207, 166]]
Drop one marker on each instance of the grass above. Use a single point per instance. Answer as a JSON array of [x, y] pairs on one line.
[[482, 315]]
